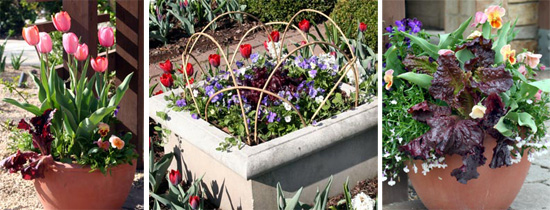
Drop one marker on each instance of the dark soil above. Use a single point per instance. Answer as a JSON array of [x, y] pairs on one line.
[[227, 33], [369, 187]]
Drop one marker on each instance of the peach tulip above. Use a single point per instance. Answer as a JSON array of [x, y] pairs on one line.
[[62, 21], [81, 53], [99, 64], [30, 34], [45, 44], [106, 36], [70, 43]]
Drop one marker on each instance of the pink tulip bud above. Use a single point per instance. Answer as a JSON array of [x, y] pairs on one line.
[[81, 53], [70, 43], [45, 44], [30, 34], [99, 64], [62, 21], [106, 36]]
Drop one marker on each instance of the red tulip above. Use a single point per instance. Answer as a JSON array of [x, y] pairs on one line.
[[191, 81], [189, 69], [45, 44], [265, 45], [304, 25], [30, 34], [246, 50], [81, 53], [214, 60], [99, 64], [166, 66], [303, 43], [70, 43], [62, 21], [106, 36], [194, 201], [185, 3], [166, 79], [157, 93], [274, 36], [362, 27], [175, 177]]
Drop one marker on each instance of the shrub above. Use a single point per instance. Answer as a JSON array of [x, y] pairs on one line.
[[283, 10], [13, 15], [348, 13]]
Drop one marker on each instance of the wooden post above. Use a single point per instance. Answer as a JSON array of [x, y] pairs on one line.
[[129, 58], [392, 10]]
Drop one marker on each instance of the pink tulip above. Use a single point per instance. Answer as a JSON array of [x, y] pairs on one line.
[[81, 53], [45, 44], [30, 34], [70, 43], [99, 64], [538, 96], [62, 21], [106, 36]]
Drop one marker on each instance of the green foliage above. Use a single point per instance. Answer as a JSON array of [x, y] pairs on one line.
[[319, 203], [16, 60], [157, 170], [2, 56], [14, 13], [283, 10], [348, 13]]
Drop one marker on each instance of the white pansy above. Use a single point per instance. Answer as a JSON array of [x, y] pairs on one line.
[[478, 111], [529, 101], [288, 118], [287, 106], [319, 99], [195, 93], [394, 102], [362, 201]]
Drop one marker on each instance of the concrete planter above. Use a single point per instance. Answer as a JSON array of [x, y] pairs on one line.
[[343, 146]]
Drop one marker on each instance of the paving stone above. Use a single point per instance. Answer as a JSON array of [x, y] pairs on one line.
[[543, 161], [537, 174], [532, 196], [411, 205]]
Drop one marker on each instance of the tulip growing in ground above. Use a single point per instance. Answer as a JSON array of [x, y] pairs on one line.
[[106, 37], [30, 34], [99, 64], [362, 27], [246, 50], [194, 201], [70, 43], [214, 60], [189, 69], [62, 21], [274, 36], [174, 177], [304, 25], [81, 53], [45, 44], [166, 66]]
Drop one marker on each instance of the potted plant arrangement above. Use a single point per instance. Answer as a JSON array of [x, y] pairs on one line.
[[465, 117], [73, 156], [241, 113]]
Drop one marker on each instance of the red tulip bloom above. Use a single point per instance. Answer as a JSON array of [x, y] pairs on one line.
[[99, 64], [214, 60], [194, 201], [304, 25], [191, 81], [175, 177], [246, 50], [189, 69], [265, 45], [274, 36], [157, 93], [166, 66], [362, 27], [166, 80]]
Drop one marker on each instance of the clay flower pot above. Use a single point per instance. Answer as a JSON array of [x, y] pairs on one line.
[[493, 189], [72, 186]]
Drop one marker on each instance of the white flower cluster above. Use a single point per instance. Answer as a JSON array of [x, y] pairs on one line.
[[274, 52], [362, 202], [360, 73]]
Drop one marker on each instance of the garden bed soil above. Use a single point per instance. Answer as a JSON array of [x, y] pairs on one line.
[[369, 187], [226, 34]]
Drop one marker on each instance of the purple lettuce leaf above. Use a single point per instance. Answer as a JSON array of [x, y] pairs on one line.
[[493, 80], [470, 163], [420, 64], [481, 48], [424, 110], [501, 153], [31, 164], [39, 128], [495, 110]]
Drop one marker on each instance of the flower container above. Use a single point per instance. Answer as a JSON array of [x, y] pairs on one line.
[[494, 189], [72, 186], [343, 146]]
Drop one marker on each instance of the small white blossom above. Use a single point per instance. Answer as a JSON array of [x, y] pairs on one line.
[[394, 102], [319, 99], [195, 93], [415, 169], [529, 101], [391, 182], [362, 202], [397, 158], [288, 118], [287, 106], [406, 169]]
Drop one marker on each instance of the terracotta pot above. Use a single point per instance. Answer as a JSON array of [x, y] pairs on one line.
[[72, 186], [493, 189]]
